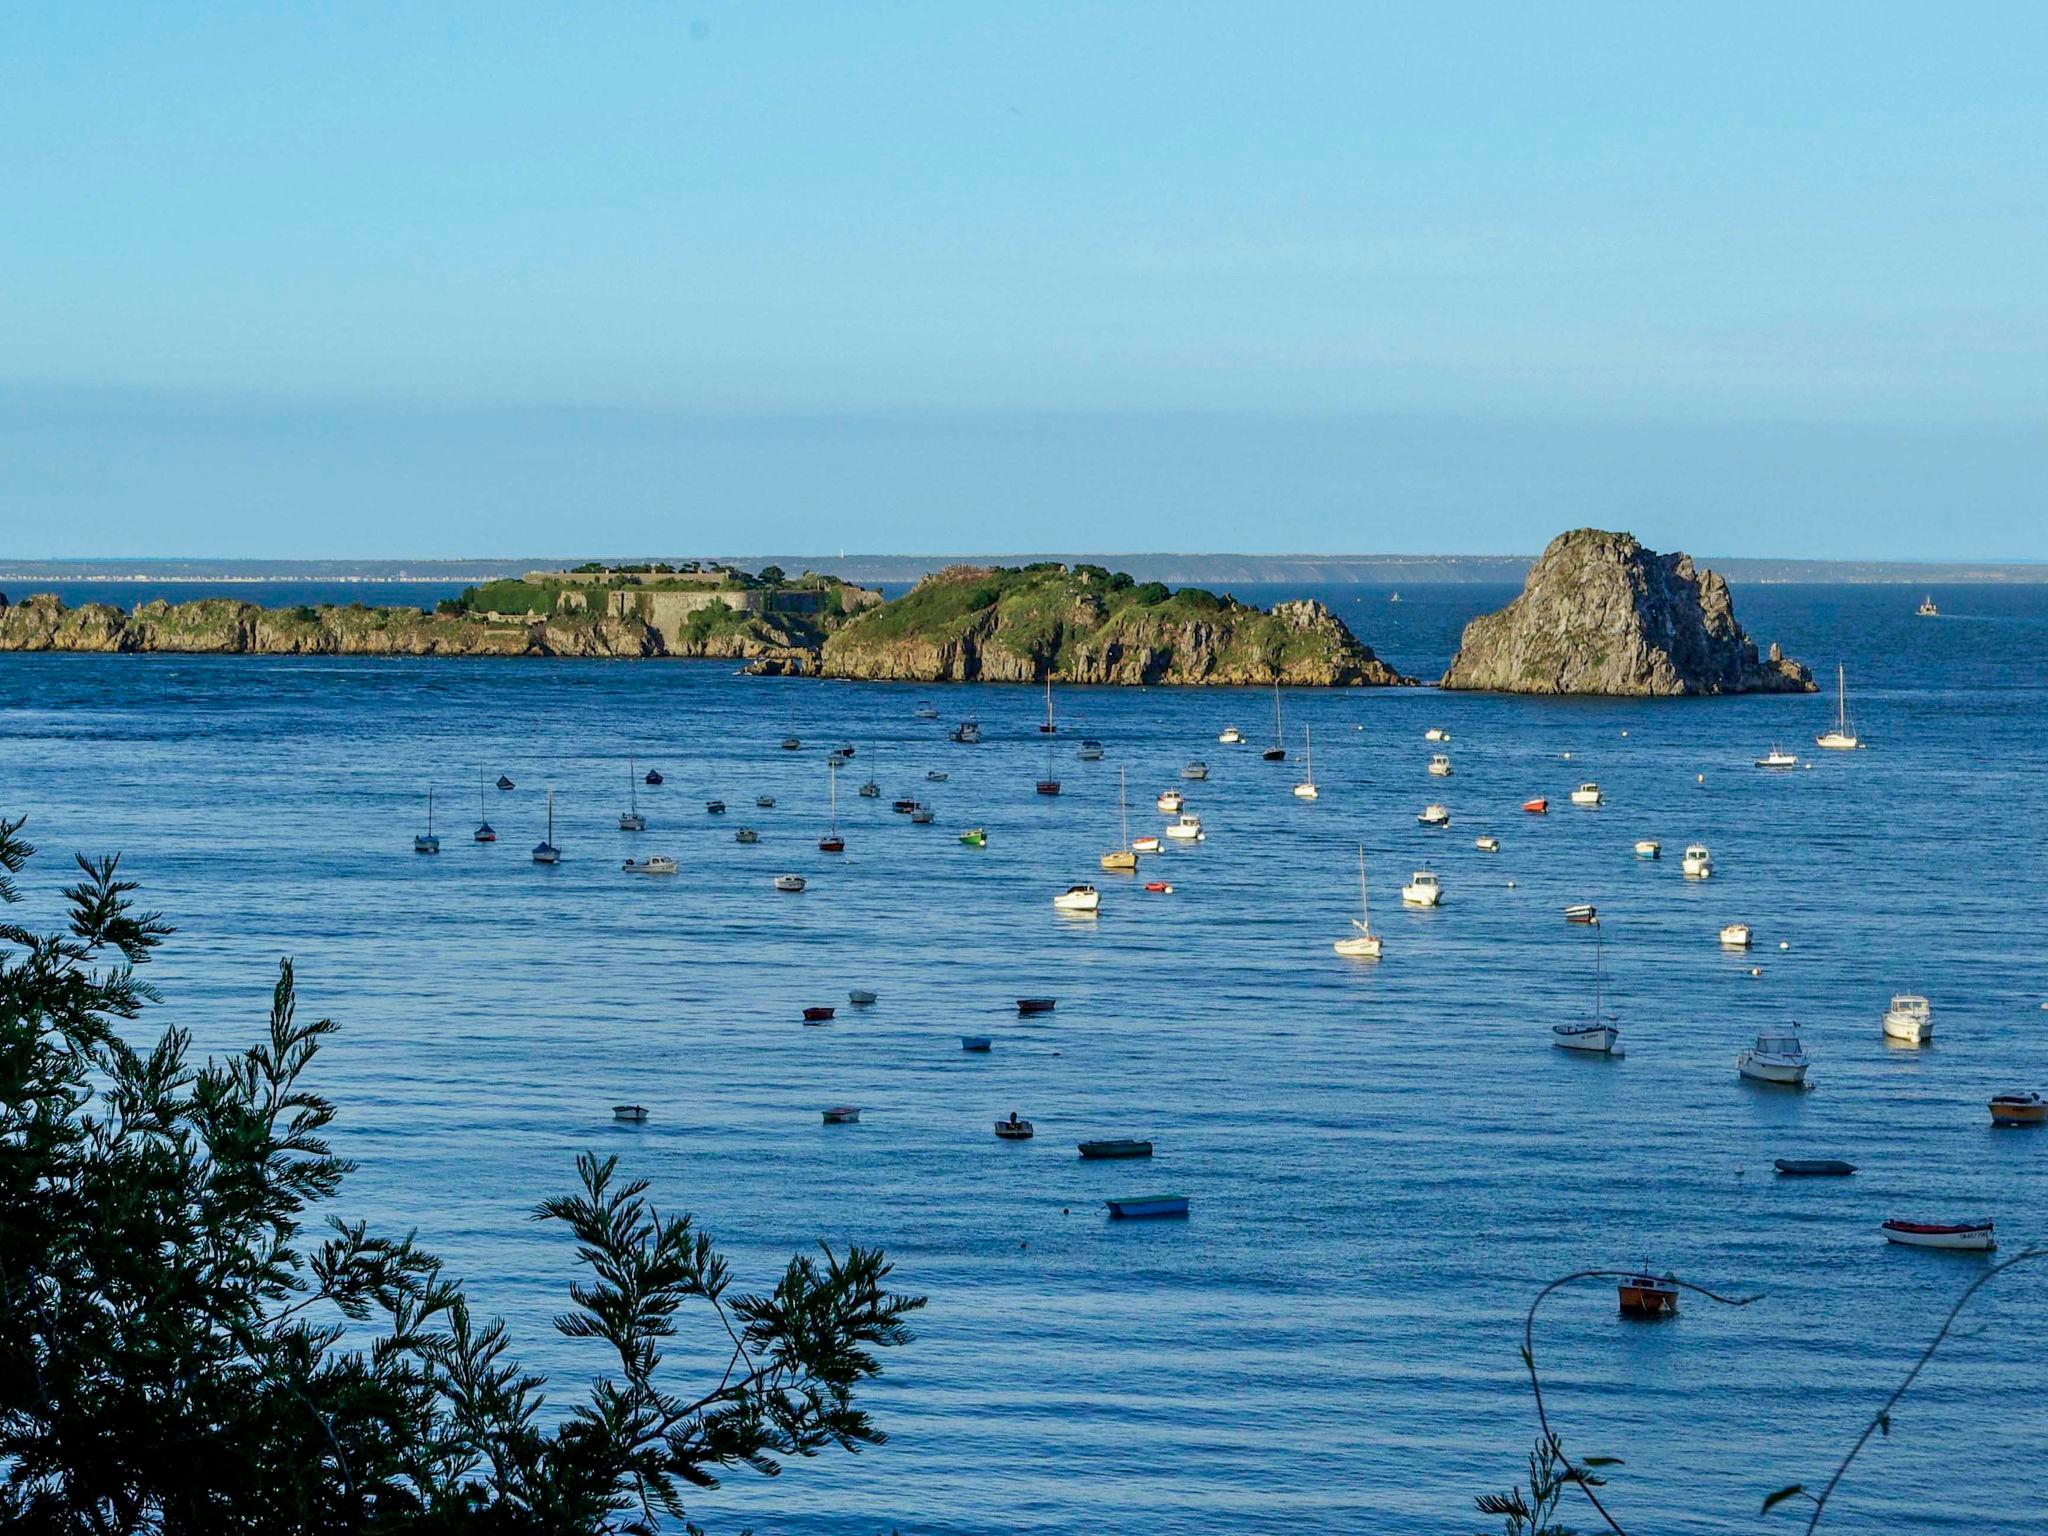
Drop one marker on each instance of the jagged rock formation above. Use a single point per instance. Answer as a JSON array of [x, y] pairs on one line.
[[1600, 614], [1083, 624]]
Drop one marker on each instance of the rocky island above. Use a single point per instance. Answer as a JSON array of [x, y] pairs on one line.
[[1600, 614], [1085, 624]]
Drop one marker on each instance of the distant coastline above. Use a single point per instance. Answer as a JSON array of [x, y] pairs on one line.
[[1392, 571]]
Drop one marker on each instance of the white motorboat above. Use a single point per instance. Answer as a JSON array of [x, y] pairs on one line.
[[1195, 770], [545, 851], [1735, 936], [1436, 733], [1434, 815], [427, 842], [1777, 1057], [1422, 890], [746, 835], [922, 815], [1188, 829], [1927, 610], [1586, 794], [790, 883], [1440, 765], [1091, 750], [765, 802], [653, 864], [1909, 1020], [1649, 848], [1778, 757], [1083, 899], [1171, 801], [1957, 1237], [1145, 845], [1122, 858], [1487, 844], [1364, 944], [1843, 737], [1697, 864], [1597, 1033], [1231, 736], [1306, 789], [967, 732], [927, 712]]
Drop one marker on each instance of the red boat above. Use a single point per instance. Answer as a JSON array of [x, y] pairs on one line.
[[833, 843], [1536, 807], [1158, 885], [1048, 786], [1647, 1296], [817, 1015], [1967, 1236]]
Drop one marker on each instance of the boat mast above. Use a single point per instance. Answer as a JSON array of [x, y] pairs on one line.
[[1841, 699], [1364, 912], [1048, 697], [1123, 808], [551, 815], [430, 810], [1308, 758], [632, 788], [832, 781], [1278, 740]]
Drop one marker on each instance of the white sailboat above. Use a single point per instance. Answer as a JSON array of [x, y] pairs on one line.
[[1121, 857], [832, 842], [630, 819], [1048, 728], [545, 851], [1364, 944], [1306, 789], [1843, 737], [1278, 751], [426, 842], [1598, 1033]]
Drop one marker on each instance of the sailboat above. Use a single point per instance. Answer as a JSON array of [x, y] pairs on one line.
[[1278, 751], [1048, 728], [545, 851], [1121, 857], [832, 842], [1306, 789], [630, 819], [485, 832], [1597, 1034], [1842, 738], [426, 842], [1364, 944], [871, 790], [1048, 785]]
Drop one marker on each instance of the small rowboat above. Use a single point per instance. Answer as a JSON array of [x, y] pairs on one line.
[[1648, 1296], [1581, 912], [861, 997], [843, 1114], [978, 1043], [1962, 1237], [1145, 845], [1814, 1167], [503, 782], [1103, 1151], [632, 1114], [1147, 1207], [817, 1015], [2019, 1109], [1162, 887], [1014, 1129], [1649, 848], [1036, 1004], [791, 884], [653, 777], [1536, 807]]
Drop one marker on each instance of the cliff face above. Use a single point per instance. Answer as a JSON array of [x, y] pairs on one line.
[[1083, 625], [1600, 614]]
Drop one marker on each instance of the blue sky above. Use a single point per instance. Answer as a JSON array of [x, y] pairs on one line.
[[469, 279]]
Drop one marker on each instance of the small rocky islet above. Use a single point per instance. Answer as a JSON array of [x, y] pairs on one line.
[[1599, 614]]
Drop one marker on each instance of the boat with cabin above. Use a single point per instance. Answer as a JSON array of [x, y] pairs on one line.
[[2019, 1109], [1778, 757], [1842, 737], [427, 842], [967, 733], [1649, 848], [1170, 801], [1440, 765], [1196, 769], [1648, 1296], [789, 884], [1048, 727], [1434, 815], [1698, 863], [545, 851], [1188, 829], [1587, 794], [1598, 1033], [746, 835], [975, 837], [832, 842], [1231, 736], [926, 712], [1927, 610], [1080, 900], [922, 815], [1422, 890], [653, 864], [1735, 936], [1777, 1057], [1436, 733], [485, 832], [1090, 750], [1909, 1020], [711, 808], [1487, 844]]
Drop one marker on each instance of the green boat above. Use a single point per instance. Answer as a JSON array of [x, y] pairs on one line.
[[974, 837]]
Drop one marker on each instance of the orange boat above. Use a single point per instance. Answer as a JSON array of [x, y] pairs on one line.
[[1647, 1296], [2019, 1109], [1536, 807], [1158, 885]]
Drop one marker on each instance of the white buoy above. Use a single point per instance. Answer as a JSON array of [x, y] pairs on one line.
[[1699, 778], [1756, 970], [1784, 943], [1624, 733], [1511, 886]]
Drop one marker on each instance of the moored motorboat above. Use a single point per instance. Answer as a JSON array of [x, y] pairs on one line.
[[1422, 890], [967, 732], [1778, 757], [923, 816], [1927, 610], [1196, 769], [1649, 848], [1145, 845], [1170, 801], [1230, 736], [1436, 733], [1698, 864], [2019, 1109], [1091, 750], [1014, 1129], [1186, 830], [632, 1114], [1082, 900], [926, 712], [843, 1114], [1434, 815], [1645, 1295], [1536, 807], [1957, 1237], [791, 744], [818, 1015], [1160, 887], [653, 778], [1487, 844], [1909, 1020], [1777, 1057], [936, 775], [1581, 912], [1587, 794], [861, 997], [1114, 1149], [1030, 1005], [975, 837], [1735, 936], [711, 808], [1813, 1167], [653, 864], [1440, 766], [765, 802], [746, 835], [1145, 1207], [789, 883]]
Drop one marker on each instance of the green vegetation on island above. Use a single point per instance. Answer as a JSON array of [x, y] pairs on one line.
[[1087, 624]]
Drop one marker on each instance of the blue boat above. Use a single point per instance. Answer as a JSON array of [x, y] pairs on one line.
[[974, 1043], [1148, 1206]]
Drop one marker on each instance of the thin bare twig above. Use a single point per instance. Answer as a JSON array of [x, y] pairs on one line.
[[1574, 1473]]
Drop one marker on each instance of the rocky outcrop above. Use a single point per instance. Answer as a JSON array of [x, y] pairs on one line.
[[1082, 624], [1600, 614]]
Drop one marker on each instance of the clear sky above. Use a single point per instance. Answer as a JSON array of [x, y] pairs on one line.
[[466, 279]]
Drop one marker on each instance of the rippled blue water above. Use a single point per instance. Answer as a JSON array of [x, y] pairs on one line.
[[1385, 1161]]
